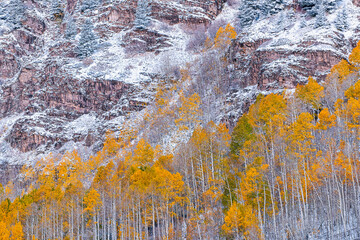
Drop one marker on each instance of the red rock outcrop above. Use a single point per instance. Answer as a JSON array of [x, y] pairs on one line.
[[33, 93], [34, 25], [62, 102], [139, 41], [196, 12], [27, 41], [187, 11], [121, 15], [8, 65], [71, 4], [262, 66]]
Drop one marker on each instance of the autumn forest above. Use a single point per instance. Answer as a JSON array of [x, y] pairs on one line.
[[289, 169]]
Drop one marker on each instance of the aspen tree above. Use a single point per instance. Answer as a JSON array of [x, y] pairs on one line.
[[4, 231], [17, 232], [189, 111], [311, 93], [224, 36]]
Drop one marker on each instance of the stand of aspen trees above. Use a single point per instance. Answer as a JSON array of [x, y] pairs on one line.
[[289, 170]]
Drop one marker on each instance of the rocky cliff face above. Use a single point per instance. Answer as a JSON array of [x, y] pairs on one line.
[[51, 100], [281, 51]]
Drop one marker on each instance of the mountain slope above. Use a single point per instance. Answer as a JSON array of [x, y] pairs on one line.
[[48, 93]]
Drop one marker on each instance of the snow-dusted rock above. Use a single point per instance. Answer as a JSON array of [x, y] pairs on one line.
[[50, 100]]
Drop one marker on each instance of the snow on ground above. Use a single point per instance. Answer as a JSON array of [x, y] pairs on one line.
[[112, 63], [8, 153], [229, 13], [288, 30], [82, 125]]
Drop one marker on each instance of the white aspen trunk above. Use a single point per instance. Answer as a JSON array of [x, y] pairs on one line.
[[153, 218], [159, 223], [113, 220]]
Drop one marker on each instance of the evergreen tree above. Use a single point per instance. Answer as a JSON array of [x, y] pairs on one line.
[[312, 6], [274, 6], [15, 13], [250, 11], [307, 5], [142, 15], [321, 19], [2, 11], [330, 5], [89, 5], [71, 29], [303, 23], [341, 22], [88, 40]]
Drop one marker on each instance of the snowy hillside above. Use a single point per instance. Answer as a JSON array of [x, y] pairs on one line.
[[71, 70]]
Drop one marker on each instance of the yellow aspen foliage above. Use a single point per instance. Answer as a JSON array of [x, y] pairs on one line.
[[46, 180], [162, 99], [170, 186], [300, 139], [92, 201], [198, 138], [141, 179], [353, 113], [219, 35], [354, 57], [189, 111], [165, 161], [28, 172], [343, 165], [353, 91], [224, 36], [9, 189], [103, 175], [208, 44], [185, 74], [144, 153], [326, 120], [111, 145], [341, 70], [72, 170], [159, 97], [17, 232], [344, 68], [271, 106], [4, 231], [317, 171], [311, 93], [213, 193], [240, 220], [159, 181], [223, 134], [302, 128], [252, 184], [263, 111], [339, 108], [62, 171]]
